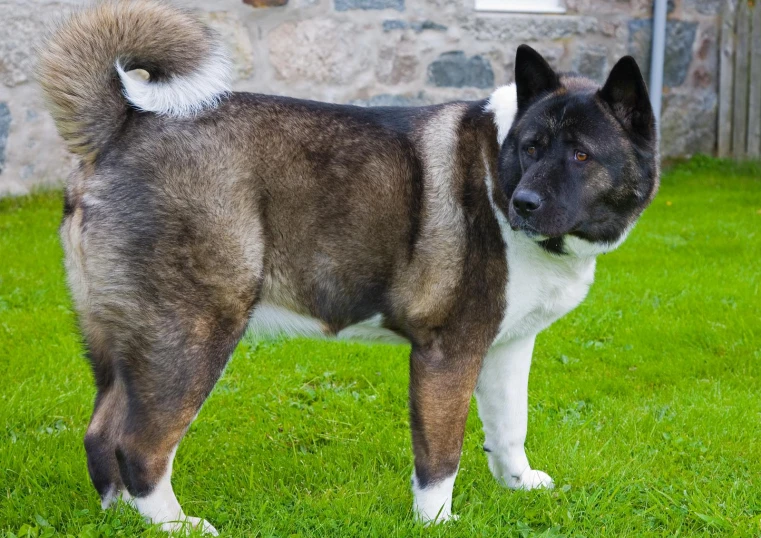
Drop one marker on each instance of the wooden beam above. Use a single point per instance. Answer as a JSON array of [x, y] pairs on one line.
[[726, 77], [754, 100], [742, 65]]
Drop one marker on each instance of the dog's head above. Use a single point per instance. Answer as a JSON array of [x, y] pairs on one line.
[[580, 162]]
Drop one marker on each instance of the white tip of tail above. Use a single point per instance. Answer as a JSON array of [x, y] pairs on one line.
[[180, 96]]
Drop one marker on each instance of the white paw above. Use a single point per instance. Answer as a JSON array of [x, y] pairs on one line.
[[438, 519], [530, 479], [433, 505], [189, 523]]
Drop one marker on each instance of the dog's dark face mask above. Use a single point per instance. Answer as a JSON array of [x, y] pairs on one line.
[[580, 163]]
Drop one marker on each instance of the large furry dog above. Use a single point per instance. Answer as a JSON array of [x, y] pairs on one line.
[[463, 228]]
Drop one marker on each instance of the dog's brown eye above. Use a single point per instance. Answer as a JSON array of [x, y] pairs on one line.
[[580, 156], [531, 150]]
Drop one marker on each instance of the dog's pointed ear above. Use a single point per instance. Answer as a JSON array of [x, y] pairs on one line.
[[533, 76], [626, 94]]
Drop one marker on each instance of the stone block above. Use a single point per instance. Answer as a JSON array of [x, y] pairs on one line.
[[456, 70], [396, 65], [680, 37], [598, 6], [394, 24], [704, 7], [318, 50], [417, 26], [522, 28], [592, 61], [688, 124], [33, 152], [346, 5], [235, 37], [20, 32]]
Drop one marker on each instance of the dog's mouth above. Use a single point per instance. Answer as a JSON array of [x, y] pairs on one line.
[[551, 241], [533, 233], [552, 244], [519, 224]]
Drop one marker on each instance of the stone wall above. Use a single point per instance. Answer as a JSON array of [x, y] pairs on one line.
[[383, 52]]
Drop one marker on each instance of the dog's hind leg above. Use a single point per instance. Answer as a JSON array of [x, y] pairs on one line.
[[158, 341], [164, 291], [167, 375], [110, 401], [100, 441]]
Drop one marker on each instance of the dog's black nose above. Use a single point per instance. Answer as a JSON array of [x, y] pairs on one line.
[[526, 201]]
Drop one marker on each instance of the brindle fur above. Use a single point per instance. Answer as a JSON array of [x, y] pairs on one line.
[[183, 225], [174, 230]]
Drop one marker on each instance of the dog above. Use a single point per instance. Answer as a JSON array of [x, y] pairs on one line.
[[195, 213]]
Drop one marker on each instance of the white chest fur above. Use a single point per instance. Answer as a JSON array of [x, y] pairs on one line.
[[541, 287]]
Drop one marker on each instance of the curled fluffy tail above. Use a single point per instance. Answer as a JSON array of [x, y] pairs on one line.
[[90, 69]]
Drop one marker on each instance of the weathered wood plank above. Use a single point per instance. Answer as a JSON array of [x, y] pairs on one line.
[[726, 77], [742, 56], [754, 99]]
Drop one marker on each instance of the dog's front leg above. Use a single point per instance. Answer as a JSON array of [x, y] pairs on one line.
[[442, 381], [502, 396]]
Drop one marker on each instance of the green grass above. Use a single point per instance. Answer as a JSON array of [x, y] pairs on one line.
[[645, 402]]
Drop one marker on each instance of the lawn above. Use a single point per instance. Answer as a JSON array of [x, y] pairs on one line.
[[645, 402]]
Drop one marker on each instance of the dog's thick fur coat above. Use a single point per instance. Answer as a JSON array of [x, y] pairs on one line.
[[463, 228]]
